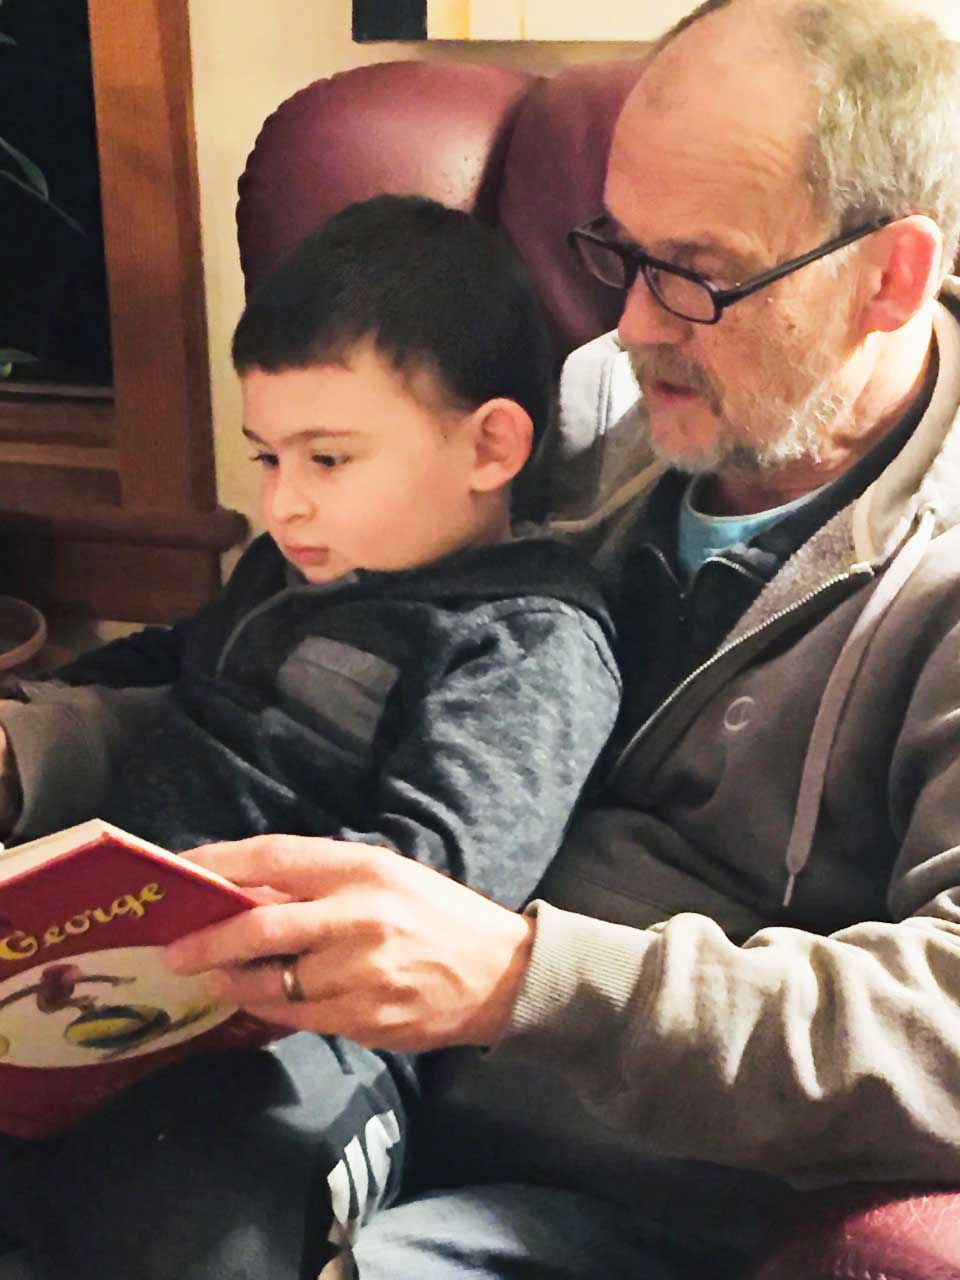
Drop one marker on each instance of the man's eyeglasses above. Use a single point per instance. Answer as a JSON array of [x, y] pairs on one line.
[[683, 293]]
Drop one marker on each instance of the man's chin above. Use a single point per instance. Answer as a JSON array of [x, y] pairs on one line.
[[694, 464], [700, 443], [687, 450], [732, 459]]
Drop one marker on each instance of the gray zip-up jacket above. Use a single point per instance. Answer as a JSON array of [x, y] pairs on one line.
[[453, 712], [746, 970]]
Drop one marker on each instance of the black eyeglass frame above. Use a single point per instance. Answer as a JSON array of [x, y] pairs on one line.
[[636, 260]]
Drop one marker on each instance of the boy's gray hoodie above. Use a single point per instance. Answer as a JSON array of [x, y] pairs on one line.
[[453, 712]]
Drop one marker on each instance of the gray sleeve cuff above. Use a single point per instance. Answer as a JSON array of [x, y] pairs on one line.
[[61, 747], [587, 979]]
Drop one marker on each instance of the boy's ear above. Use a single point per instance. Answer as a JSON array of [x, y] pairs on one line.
[[502, 435], [904, 273]]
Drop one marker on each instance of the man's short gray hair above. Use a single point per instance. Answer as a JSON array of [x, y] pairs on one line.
[[886, 83], [886, 141]]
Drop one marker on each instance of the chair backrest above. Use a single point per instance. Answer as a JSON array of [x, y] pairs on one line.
[[527, 154]]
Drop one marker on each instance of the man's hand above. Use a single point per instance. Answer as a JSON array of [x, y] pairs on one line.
[[11, 796], [391, 954]]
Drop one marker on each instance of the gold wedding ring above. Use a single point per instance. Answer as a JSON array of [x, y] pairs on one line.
[[292, 990]]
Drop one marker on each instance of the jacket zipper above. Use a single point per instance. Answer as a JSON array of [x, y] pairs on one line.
[[862, 572], [278, 597]]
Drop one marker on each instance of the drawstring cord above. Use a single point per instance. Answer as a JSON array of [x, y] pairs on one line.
[[834, 699]]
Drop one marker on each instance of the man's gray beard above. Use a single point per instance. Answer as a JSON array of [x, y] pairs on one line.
[[798, 441]]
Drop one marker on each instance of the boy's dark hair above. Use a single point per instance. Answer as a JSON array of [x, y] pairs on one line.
[[431, 287]]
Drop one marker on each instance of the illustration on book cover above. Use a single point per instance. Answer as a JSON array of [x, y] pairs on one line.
[[100, 1006]]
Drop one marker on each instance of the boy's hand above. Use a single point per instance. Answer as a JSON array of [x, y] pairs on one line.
[[388, 952], [11, 796]]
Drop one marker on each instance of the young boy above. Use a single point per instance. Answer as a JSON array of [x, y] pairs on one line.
[[385, 663]]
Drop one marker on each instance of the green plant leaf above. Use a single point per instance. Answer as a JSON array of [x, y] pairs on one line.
[[30, 177], [10, 358], [31, 172], [10, 355], [72, 223]]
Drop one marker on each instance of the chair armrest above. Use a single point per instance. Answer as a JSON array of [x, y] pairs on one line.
[[869, 1233]]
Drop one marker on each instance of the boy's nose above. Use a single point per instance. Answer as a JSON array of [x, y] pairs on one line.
[[289, 500]]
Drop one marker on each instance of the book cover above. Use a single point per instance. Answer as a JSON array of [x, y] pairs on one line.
[[86, 1004]]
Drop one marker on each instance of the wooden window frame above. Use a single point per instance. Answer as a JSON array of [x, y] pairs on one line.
[[154, 553]]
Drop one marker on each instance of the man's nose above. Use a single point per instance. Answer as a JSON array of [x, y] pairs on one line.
[[646, 322]]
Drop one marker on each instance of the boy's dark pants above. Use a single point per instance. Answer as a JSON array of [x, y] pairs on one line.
[[222, 1167]]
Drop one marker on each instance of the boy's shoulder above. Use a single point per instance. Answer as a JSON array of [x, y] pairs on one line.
[[532, 572]]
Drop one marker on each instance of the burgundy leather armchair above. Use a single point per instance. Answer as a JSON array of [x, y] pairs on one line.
[[529, 154]]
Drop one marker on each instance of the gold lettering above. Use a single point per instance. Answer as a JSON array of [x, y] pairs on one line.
[[126, 903], [18, 946]]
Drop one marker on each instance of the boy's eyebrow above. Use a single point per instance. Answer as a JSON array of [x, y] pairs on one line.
[[307, 433]]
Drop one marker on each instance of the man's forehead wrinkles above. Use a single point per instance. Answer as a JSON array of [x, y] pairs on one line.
[[692, 224], [759, 162], [689, 117], [737, 198]]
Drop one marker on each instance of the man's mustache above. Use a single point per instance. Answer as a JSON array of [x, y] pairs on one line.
[[665, 364]]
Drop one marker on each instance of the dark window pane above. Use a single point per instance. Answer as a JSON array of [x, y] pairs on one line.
[[53, 302]]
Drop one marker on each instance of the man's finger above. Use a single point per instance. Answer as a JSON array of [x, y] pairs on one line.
[[272, 930], [262, 981], [301, 866], [340, 1016], [257, 983]]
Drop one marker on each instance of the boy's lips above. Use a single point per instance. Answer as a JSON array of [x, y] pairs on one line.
[[306, 555]]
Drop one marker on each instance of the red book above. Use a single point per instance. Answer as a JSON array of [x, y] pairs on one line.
[[86, 1004]]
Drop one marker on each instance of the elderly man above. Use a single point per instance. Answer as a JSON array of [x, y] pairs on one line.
[[743, 973]]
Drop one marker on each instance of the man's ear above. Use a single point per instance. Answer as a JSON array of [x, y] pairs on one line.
[[903, 273], [502, 436]]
